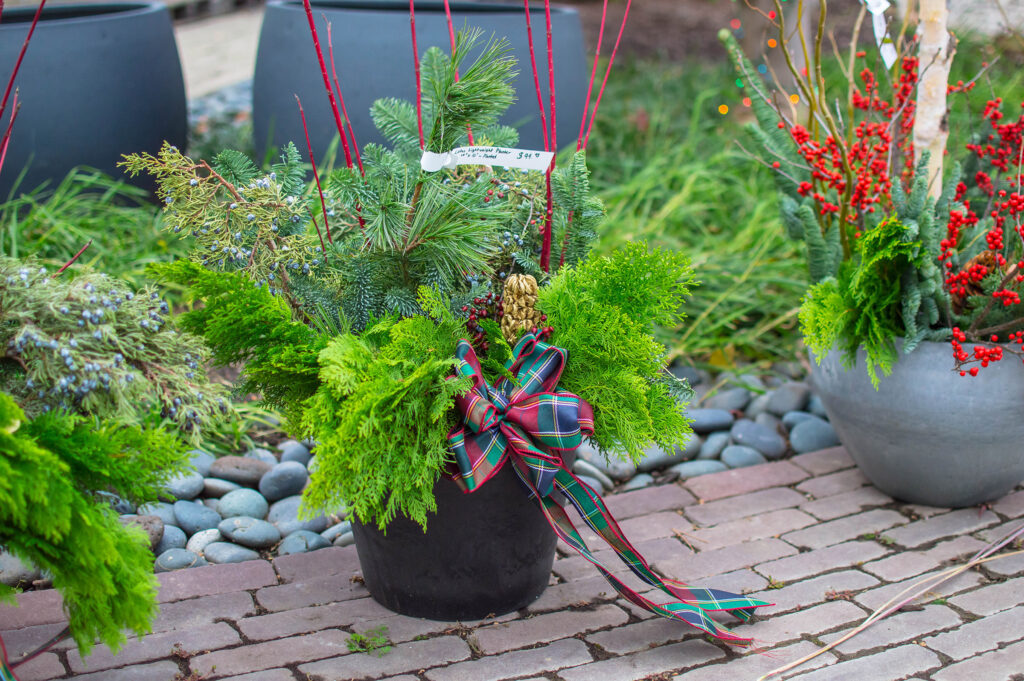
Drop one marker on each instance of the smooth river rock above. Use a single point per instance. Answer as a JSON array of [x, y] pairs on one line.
[[200, 540], [193, 517], [730, 399], [239, 469], [220, 552], [692, 469], [243, 502], [177, 559], [150, 524], [261, 454], [160, 509], [201, 461], [790, 419], [789, 397], [295, 451], [284, 480], [284, 514], [739, 456], [713, 445], [302, 542], [761, 438], [173, 538], [185, 485], [215, 488], [709, 420], [811, 435], [250, 532]]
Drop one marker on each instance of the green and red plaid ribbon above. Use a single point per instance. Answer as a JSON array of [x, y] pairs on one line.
[[532, 423]]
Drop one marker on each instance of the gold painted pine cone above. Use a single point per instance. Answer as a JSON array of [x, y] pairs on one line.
[[520, 300]]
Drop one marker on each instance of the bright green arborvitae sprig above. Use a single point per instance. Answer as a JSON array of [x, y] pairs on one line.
[[91, 345], [383, 413], [50, 517], [602, 312], [240, 219]]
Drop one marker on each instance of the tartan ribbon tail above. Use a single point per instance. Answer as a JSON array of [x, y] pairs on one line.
[[692, 604]]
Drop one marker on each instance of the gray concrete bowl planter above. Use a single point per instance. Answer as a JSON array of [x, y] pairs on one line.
[[98, 81], [374, 59], [928, 435]]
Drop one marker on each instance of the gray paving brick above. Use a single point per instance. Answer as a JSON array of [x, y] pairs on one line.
[[155, 647], [783, 628], [824, 461], [576, 567], [943, 526], [1008, 566], [266, 675], [315, 618], [755, 503], [905, 564], [745, 480], [334, 560], [271, 654], [655, 526], [34, 608], [22, 641], [575, 593], [642, 635], [755, 663], [890, 665], [989, 600], [1012, 505], [310, 592], [759, 526], [836, 483], [42, 668], [648, 500], [215, 579], [998, 665], [801, 594], [549, 658], [157, 671], [717, 561], [670, 658], [876, 598], [203, 610], [845, 555], [846, 503], [980, 636], [897, 628], [843, 529], [505, 636], [406, 657]]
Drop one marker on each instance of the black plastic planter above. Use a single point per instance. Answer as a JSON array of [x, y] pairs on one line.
[[485, 553], [98, 81], [374, 58]]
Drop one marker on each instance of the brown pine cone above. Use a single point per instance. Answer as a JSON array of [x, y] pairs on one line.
[[520, 301]]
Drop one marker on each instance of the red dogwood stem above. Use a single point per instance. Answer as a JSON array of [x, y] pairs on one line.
[[536, 78], [593, 74], [327, 83], [21, 56], [316, 175], [15, 107], [74, 257], [545, 253], [416, 62], [341, 99], [451, 39], [607, 72]]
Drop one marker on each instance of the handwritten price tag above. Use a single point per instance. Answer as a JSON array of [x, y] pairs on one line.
[[885, 45], [487, 156]]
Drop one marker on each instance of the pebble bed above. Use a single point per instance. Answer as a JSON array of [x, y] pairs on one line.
[[239, 508]]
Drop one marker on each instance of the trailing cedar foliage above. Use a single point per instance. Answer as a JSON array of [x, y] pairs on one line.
[[603, 312], [382, 415], [51, 517]]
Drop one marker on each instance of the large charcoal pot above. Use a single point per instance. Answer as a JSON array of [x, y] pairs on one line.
[[98, 81], [928, 435], [374, 58], [485, 553]]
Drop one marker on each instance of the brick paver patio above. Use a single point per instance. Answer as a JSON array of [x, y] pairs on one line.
[[808, 534]]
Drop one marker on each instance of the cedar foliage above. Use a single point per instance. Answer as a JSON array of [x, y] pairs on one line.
[[382, 415], [603, 312], [50, 516]]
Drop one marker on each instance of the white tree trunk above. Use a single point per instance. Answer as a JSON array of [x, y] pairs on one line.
[[935, 54]]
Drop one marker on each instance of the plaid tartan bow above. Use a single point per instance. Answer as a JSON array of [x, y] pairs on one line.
[[531, 422]]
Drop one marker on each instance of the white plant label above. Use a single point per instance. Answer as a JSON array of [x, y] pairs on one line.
[[885, 45], [487, 156]]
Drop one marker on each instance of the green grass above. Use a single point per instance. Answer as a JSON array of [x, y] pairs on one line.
[[123, 225], [665, 164]]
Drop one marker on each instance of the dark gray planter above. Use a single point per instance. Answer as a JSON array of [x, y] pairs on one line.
[[928, 435], [485, 553], [373, 55], [98, 81]]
